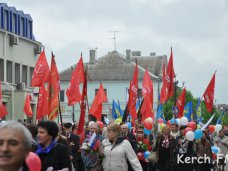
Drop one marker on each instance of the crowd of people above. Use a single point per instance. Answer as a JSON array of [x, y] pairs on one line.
[[112, 147]]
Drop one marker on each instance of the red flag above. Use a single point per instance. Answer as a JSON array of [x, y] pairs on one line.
[[146, 109], [73, 91], [3, 111], [147, 87], [41, 71], [209, 94], [180, 103], [169, 77], [163, 95], [42, 104], [0, 91], [53, 88], [27, 106], [83, 106], [96, 108], [133, 94]]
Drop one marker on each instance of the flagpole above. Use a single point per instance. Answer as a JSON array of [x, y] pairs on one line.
[[60, 113], [37, 106]]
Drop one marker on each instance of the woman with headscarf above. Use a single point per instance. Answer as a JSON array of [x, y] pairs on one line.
[[117, 151], [53, 155]]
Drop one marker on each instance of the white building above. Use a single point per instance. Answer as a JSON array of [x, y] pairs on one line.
[[115, 71], [18, 55]]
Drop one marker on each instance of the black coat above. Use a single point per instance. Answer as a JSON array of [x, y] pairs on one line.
[[58, 158]]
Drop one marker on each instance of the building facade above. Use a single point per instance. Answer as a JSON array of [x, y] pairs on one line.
[[114, 71], [19, 52]]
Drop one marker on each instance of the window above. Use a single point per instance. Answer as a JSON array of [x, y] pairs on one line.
[[1, 69], [24, 74], [96, 91], [139, 92], [9, 68], [62, 99], [22, 27], [6, 20], [29, 29], [14, 23], [30, 74], [17, 73]]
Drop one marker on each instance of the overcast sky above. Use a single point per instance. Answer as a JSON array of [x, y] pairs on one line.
[[196, 29]]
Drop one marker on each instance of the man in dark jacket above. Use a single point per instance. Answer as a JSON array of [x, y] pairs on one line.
[[73, 142]]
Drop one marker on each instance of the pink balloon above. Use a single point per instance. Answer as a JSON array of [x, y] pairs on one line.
[[33, 162], [186, 130], [160, 120], [192, 125], [140, 155]]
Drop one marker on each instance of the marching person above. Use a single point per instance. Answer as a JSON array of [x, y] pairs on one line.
[[74, 144], [184, 148], [90, 147], [53, 155], [164, 146], [15, 145], [117, 151], [222, 142]]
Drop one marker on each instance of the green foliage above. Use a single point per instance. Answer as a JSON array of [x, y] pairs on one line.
[[225, 119]]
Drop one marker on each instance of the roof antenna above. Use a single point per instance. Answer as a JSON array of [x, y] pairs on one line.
[[114, 38]]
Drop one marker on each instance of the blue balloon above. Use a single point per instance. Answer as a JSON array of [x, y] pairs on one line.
[[198, 134], [214, 149], [129, 125], [146, 131], [146, 154], [173, 121]]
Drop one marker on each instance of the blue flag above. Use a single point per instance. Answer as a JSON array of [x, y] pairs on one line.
[[198, 111], [116, 113], [138, 104], [220, 118], [188, 111]]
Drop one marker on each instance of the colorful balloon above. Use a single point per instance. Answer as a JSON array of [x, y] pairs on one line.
[[33, 162], [160, 120], [146, 131], [146, 154], [190, 136], [169, 123], [198, 134], [211, 128], [118, 120], [184, 121], [162, 126], [192, 125], [140, 155], [148, 123], [218, 128], [186, 130]]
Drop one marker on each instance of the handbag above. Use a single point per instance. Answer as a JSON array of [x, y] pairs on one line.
[[98, 166], [153, 157]]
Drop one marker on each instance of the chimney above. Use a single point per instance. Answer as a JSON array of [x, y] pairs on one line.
[[152, 53], [92, 56], [128, 55], [136, 53]]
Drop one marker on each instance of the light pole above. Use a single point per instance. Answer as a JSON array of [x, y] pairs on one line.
[[12, 96]]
